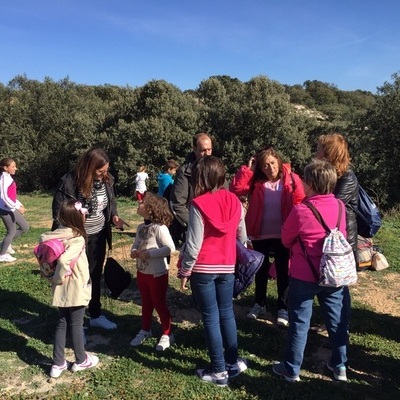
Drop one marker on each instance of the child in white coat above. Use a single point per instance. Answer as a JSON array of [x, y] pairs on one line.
[[71, 287]]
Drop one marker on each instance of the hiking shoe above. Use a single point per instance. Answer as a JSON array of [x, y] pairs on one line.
[[57, 370], [102, 322], [219, 378], [338, 373], [283, 318], [165, 342], [7, 258], [91, 361], [235, 369], [256, 311], [280, 370], [141, 337]]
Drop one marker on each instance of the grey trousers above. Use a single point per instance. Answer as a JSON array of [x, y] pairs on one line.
[[72, 318], [15, 224]]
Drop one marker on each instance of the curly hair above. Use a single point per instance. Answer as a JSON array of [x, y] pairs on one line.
[[158, 209], [335, 150]]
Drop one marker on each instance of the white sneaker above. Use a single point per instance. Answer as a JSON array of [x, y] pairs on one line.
[[283, 318], [256, 311], [102, 322], [208, 375], [90, 362], [141, 337], [57, 370], [7, 258], [165, 342], [235, 369], [10, 250]]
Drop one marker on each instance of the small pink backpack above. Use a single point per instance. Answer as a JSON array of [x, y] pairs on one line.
[[47, 253]]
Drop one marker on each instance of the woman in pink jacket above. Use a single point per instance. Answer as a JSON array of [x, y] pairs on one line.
[[301, 224], [272, 190]]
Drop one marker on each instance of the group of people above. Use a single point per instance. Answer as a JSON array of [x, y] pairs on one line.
[[211, 219], [276, 221]]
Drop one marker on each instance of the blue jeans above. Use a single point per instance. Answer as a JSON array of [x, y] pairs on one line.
[[300, 305], [213, 296]]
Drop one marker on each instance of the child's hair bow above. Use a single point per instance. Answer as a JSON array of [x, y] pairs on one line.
[[78, 206]]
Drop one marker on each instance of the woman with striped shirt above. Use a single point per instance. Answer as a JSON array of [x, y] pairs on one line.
[[92, 185]]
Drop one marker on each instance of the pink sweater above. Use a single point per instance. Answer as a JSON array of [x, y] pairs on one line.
[[301, 222], [242, 185]]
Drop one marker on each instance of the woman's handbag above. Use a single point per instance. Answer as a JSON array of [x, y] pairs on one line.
[[116, 277], [248, 262]]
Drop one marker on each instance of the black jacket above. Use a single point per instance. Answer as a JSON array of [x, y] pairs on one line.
[[67, 190], [182, 191], [346, 189]]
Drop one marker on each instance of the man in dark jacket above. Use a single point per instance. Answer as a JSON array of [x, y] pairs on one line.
[[182, 193]]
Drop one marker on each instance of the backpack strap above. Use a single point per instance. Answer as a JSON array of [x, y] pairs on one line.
[[327, 230], [319, 218]]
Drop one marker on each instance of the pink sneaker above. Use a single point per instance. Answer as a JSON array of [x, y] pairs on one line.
[[91, 361], [57, 370]]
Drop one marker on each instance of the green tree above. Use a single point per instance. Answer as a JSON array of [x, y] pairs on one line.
[[377, 145]]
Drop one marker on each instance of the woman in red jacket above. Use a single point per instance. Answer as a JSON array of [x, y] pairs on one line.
[[273, 190]]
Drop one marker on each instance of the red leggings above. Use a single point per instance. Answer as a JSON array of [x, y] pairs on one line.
[[140, 196], [153, 292]]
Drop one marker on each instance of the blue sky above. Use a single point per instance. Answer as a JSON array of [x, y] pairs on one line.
[[354, 44]]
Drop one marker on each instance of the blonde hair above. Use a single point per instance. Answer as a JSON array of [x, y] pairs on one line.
[[336, 151]]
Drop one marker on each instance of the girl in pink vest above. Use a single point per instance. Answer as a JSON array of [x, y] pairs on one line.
[[209, 256]]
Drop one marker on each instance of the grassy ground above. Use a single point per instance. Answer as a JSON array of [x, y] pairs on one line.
[[27, 323]]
